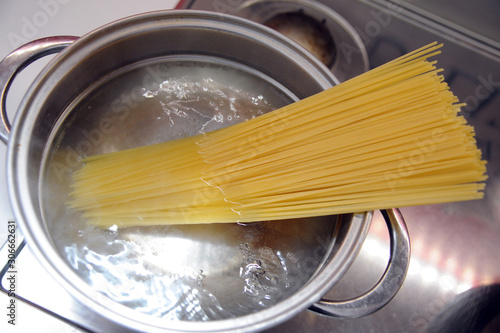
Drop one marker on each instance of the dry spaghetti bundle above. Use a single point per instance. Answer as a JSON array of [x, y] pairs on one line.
[[390, 137]]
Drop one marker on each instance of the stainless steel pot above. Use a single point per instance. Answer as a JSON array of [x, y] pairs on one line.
[[95, 96]]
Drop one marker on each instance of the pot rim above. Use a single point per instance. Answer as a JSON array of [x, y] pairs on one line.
[[36, 234]]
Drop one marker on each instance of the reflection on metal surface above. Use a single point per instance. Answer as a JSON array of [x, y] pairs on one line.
[[454, 246], [389, 283], [477, 20]]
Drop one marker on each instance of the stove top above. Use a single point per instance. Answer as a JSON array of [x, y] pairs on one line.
[[453, 282]]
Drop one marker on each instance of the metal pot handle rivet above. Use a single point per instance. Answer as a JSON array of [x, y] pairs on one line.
[[388, 285], [19, 59]]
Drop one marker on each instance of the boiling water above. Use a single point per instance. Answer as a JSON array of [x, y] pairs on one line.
[[196, 272]]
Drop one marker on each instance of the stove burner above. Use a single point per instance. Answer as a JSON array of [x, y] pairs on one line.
[[308, 32], [318, 28]]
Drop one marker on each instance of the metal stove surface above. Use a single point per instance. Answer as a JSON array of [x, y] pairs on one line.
[[453, 283]]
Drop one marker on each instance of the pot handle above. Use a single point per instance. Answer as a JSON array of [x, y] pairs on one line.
[[388, 285], [18, 60]]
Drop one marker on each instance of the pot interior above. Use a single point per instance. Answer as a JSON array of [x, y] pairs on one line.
[[198, 272]]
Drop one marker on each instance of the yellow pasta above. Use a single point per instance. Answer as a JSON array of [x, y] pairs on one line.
[[390, 137]]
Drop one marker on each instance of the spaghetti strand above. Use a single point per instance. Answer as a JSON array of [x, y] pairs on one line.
[[391, 137]]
